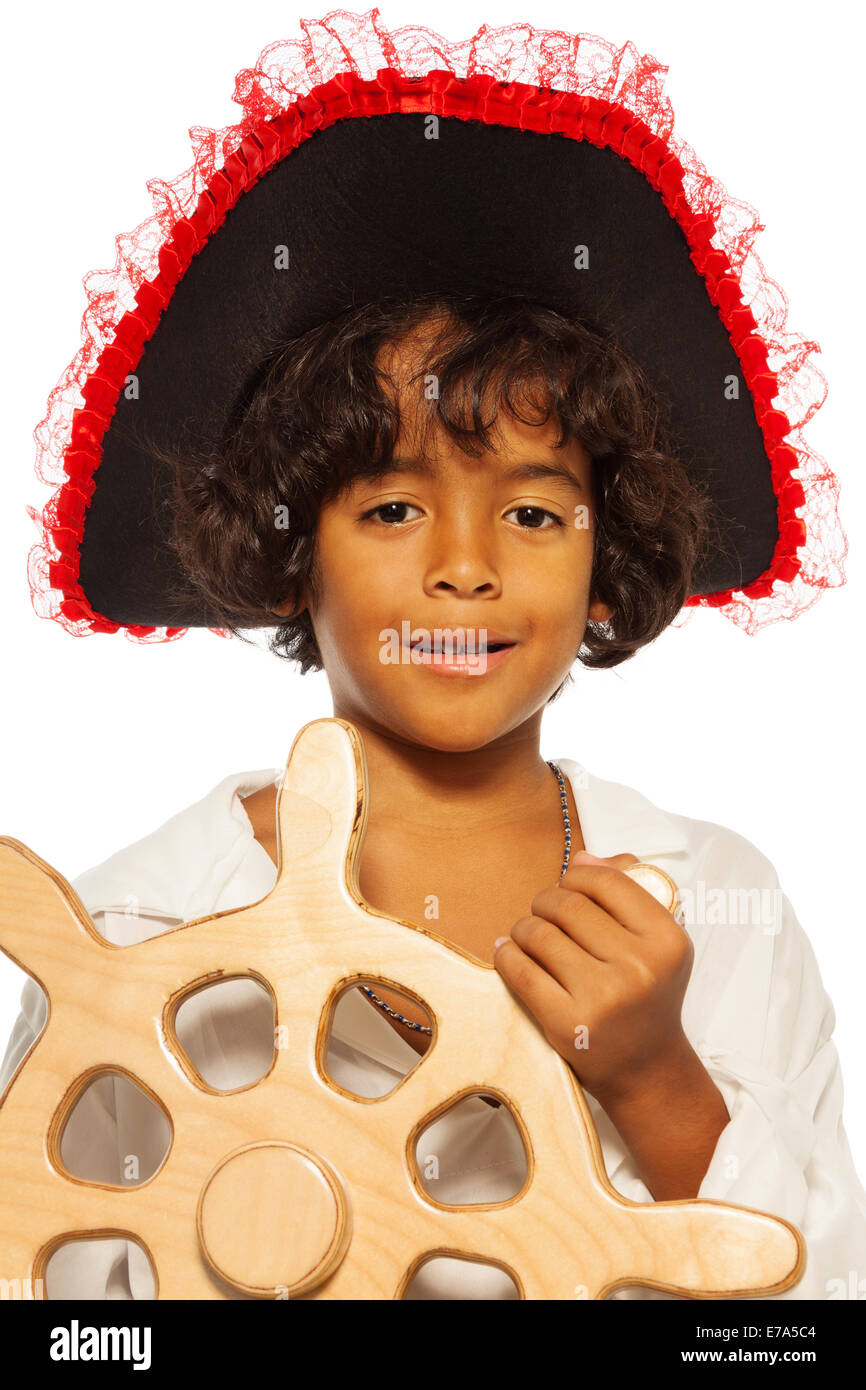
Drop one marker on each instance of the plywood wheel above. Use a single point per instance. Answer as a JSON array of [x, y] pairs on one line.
[[291, 1187]]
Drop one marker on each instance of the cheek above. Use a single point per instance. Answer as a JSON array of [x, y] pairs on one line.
[[555, 599], [353, 609]]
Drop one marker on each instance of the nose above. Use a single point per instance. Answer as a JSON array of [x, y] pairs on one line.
[[462, 563]]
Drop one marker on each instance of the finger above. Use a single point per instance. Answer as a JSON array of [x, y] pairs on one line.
[[602, 950], [555, 951], [651, 877], [617, 861], [561, 922], [634, 909], [543, 996]]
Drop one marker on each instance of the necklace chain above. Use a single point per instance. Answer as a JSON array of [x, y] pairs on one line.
[[563, 801]]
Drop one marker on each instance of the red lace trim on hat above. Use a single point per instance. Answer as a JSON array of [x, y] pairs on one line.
[[351, 64]]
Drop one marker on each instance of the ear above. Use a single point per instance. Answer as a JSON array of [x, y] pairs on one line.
[[599, 612], [289, 608]]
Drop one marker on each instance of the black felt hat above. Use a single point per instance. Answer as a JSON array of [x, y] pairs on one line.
[[431, 173]]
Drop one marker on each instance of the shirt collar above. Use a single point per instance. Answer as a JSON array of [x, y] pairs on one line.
[[206, 858], [616, 819], [193, 864]]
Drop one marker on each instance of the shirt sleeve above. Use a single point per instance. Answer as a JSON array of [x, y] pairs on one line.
[[25, 1030], [784, 1150]]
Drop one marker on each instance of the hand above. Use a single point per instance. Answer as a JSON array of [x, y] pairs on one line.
[[603, 967]]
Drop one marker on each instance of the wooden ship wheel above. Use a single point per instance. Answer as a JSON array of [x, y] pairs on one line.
[[291, 1186]]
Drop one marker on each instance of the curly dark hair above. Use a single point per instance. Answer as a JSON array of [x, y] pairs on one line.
[[316, 416]]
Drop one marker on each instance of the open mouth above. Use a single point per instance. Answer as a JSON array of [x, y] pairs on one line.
[[459, 648], [454, 649]]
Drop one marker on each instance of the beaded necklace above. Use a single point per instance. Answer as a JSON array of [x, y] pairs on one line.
[[563, 801]]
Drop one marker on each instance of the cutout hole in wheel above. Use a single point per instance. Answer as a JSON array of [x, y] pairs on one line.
[[471, 1151], [110, 1129], [102, 1266], [364, 1048], [224, 1031], [452, 1277]]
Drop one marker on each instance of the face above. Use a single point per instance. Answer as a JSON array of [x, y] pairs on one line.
[[472, 544]]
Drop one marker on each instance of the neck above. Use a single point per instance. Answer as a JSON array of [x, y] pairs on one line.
[[503, 784]]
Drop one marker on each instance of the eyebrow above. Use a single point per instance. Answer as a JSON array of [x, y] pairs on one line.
[[518, 472]]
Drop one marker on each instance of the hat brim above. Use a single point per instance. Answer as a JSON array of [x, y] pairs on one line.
[[349, 180]]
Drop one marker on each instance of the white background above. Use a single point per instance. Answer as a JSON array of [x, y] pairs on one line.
[[105, 739]]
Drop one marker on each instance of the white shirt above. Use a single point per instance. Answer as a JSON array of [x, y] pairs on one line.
[[755, 1011]]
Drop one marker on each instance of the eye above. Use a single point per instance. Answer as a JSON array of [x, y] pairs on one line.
[[397, 520], [539, 511], [387, 506]]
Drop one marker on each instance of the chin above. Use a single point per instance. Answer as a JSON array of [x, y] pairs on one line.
[[450, 732]]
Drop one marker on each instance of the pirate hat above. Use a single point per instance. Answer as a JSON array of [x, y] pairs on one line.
[[381, 162]]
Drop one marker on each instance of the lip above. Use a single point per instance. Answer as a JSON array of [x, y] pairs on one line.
[[476, 663], [491, 635]]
